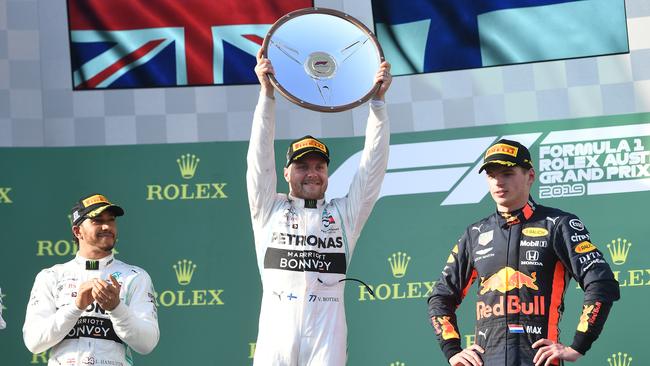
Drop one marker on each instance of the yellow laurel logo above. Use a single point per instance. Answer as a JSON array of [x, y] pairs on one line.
[[584, 247], [619, 249], [187, 164], [535, 231], [620, 359], [398, 263], [184, 271]]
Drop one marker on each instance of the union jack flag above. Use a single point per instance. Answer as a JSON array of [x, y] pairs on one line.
[[157, 43]]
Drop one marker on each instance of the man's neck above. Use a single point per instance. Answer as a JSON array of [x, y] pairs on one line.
[[93, 253], [511, 208]]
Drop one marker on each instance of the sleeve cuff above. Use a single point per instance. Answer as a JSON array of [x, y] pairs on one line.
[[451, 348], [582, 343], [377, 103]]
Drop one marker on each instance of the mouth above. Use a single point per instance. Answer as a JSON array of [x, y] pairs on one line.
[[106, 235]]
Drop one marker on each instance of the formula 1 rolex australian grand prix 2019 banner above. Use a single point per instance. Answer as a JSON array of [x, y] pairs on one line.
[[187, 224]]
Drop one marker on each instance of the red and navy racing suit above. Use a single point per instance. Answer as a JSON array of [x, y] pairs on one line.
[[523, 262]]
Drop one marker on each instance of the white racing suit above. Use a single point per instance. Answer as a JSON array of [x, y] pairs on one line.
[[304, 248], [3, 325], [92, 336]]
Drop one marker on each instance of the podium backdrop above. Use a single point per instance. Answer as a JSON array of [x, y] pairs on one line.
[[187, 223]]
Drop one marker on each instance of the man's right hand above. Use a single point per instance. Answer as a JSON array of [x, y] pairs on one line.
[[263, 68], [467, 357], [84, 295]]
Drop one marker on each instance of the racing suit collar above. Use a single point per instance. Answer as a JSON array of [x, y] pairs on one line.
[[303, 203], [94, 264], [517, 216]]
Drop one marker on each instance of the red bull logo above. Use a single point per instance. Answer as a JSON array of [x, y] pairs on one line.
[[510, 304], [583, 325], [447, 329], [507, 279]]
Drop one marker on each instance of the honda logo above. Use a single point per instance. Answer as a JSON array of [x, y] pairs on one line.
[[532, 255]]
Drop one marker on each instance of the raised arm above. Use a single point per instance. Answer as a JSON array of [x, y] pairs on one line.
[[260, 175], [366, 185]]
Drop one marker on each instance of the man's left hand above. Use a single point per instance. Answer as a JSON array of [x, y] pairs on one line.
[[107, 295], [550, 351], [384, 78]]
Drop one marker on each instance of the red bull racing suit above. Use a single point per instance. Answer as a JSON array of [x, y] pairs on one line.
[[92, 336], [523, 262], [304, 248]]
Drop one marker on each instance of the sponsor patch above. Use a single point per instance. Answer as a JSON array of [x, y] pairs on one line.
[[309, 143], [484, 251], [447, 329], [535, 232], [583, 325], [502, 149], [577, 238], [576, 224], [485, 237], [304, 261], [93, 327], [98, 198], [584, 247], [533, 243]]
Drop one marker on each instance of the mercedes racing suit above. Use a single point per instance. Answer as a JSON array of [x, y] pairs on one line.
[[2, 321], [304, 248], [92, 336], [523, 262]]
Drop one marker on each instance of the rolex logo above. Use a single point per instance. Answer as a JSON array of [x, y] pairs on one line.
[[187, 164], [4, 195], [188, 296], [398, 263], [184, 271], [619, 249], [397, 363], [619, 359]]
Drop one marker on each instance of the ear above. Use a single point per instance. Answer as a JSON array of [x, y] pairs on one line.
[[531, 176], [76, 231], [286, 174]]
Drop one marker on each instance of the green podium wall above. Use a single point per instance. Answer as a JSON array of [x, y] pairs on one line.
[[187, 223]]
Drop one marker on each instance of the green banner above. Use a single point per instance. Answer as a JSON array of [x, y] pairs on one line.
[[187, 223]]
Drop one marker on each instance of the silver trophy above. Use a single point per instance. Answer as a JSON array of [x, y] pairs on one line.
[[324, 59]]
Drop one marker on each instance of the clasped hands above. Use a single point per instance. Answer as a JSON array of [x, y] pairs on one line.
[[107, 295]]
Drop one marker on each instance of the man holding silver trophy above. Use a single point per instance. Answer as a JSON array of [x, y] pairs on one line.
[[304, 242]]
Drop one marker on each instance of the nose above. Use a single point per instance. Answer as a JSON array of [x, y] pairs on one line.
[[498, 181], [311, 171]]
